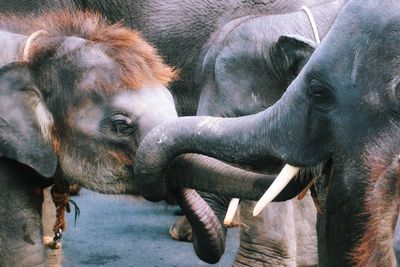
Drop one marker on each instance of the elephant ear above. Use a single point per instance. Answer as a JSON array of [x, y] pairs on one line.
[[293, 52], [25, 123]]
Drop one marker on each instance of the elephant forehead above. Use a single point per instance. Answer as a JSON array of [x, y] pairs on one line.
[[145, 100]]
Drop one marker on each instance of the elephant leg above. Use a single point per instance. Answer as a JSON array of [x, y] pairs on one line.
[[273, 238], [305, 218]]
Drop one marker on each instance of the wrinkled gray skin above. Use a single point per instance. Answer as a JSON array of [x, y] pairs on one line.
[[345, 97], [98, 128]]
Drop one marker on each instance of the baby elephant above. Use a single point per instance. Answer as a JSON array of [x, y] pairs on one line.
[[77, 96]]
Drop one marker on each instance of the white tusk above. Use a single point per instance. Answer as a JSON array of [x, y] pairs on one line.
[[283, 178], [233, 205]]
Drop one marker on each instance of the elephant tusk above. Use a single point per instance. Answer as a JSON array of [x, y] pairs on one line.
[[283, 178], [233, 206]]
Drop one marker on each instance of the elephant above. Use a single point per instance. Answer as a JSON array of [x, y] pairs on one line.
[[237, 81], [343, 100], [78, 94]]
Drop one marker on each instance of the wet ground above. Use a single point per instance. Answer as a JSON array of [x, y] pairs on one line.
[[121, 231]]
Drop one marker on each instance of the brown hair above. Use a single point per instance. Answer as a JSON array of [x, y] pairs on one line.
[[381, 204], [140, 65]]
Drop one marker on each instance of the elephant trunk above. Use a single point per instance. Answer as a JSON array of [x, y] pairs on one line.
[[208, 232], [226, 181], [277, 132], [213, 176]]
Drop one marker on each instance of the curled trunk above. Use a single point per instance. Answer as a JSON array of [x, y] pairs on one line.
[[213, 176], [208, 233]]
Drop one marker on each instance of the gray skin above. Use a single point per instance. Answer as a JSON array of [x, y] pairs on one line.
[[45, 94], [342, 100]]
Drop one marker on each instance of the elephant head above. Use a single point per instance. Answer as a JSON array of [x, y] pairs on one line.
[[82, 99], [344, 97]]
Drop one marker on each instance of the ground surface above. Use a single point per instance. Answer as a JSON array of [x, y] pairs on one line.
[[123, 231]]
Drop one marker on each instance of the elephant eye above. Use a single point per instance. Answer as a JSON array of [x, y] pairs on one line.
[[321, 97], [118, 124]]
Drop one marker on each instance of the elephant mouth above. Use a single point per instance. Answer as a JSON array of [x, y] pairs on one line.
[[271, 169]]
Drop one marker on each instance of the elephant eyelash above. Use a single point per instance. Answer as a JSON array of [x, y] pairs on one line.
[[121, 127], [118, 124], [320, 95]]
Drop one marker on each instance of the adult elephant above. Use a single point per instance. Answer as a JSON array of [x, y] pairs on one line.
[[344, 98], [76, 99]]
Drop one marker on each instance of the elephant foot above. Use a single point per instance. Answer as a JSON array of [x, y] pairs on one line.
[[181, 230]]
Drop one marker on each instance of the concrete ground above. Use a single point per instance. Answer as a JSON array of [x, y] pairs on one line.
[[126, 231]]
